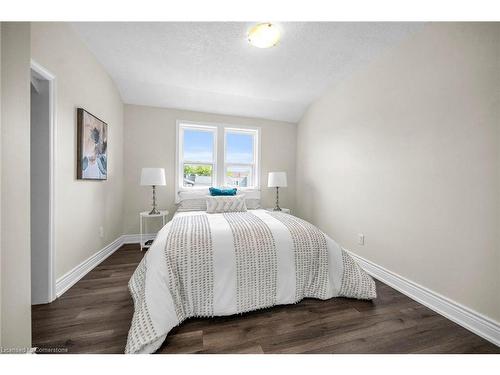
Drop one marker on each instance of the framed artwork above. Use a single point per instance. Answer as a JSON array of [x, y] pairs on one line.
[[92, 148]]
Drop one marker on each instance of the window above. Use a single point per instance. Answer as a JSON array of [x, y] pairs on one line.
[[217, 155], [239, 157], [198, 156]]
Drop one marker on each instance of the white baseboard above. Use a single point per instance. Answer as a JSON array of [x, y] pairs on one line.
[[136, 238], [475, 322], [70, 278]]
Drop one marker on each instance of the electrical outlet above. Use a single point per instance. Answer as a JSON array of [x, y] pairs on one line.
[[361, 239], [101, 231]]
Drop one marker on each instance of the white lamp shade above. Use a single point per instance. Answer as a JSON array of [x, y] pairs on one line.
[[276, 179], [153, 176]]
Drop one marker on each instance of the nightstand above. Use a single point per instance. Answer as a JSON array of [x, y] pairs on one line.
[[283, 210], [145, 215]]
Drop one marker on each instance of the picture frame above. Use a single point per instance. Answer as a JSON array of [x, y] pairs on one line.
[[92, 147]]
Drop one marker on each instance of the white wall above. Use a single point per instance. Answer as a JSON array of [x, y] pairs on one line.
[[15, 185], [150, 142], [39, 190], [406, 151], [81, 207]]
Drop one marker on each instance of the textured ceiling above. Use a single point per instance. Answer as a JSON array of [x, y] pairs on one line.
[[210, 67]]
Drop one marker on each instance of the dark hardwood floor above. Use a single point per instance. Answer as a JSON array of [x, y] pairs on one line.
[[94, 317]]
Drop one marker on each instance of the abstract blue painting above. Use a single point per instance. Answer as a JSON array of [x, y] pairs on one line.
[[92, 159]]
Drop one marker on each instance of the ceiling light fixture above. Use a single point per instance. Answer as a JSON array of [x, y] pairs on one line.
[[264, 35]]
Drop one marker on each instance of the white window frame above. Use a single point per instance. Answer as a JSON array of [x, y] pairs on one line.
[[219, 165]]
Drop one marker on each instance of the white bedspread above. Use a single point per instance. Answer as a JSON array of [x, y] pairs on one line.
[[223, 264]]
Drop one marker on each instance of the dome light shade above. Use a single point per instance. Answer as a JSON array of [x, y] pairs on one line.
[[264, 35]]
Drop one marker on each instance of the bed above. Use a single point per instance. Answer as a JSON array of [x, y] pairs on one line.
[[205, 265]]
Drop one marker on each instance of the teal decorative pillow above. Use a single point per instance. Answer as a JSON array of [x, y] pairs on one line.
[[218, 192]]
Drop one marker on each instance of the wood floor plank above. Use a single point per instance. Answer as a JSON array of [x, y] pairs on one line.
[[189, 342], [94, 317]]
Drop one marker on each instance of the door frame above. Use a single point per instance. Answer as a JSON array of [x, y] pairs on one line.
[[51, 78]]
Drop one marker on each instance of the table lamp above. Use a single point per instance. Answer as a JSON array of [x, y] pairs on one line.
[[153, 177]]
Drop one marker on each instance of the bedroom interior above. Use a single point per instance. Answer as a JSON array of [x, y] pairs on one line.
[[237, 187]]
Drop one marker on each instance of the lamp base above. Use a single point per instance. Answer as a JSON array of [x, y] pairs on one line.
[[154, 211], [277, 207]]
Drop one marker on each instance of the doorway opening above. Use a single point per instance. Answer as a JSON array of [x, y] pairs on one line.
[[42, 145]]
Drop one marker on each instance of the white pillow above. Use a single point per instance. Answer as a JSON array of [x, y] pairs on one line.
[[194, 193], [226, 203], [252, 204], [252, 198], [192, 200], [192, 205]]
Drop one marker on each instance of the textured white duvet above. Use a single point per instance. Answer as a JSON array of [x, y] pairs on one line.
[[217, 264]]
